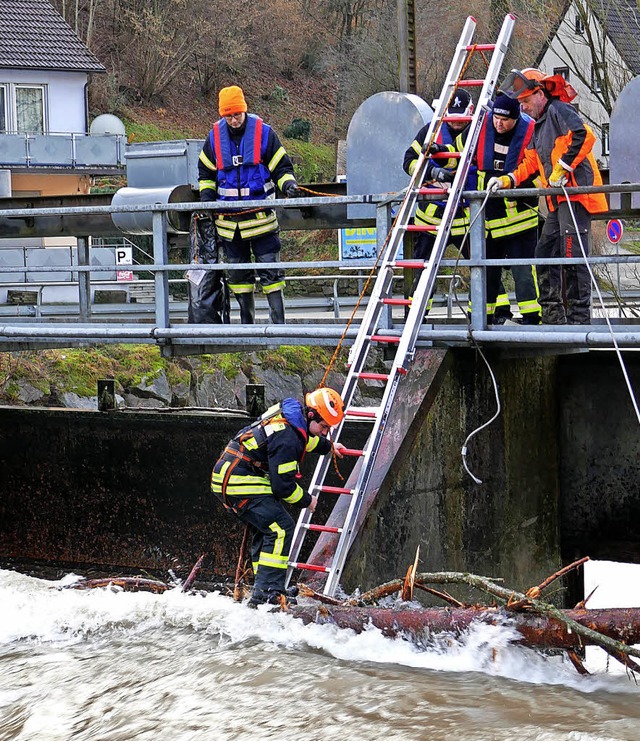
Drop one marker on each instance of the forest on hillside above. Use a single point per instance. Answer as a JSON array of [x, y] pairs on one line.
[[310, 60]]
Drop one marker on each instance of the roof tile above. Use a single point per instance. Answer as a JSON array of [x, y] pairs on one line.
[[33, 35]]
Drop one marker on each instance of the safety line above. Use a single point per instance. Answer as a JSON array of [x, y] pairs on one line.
[[604, 310]]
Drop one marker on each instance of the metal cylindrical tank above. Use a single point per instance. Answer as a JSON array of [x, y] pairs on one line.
[[141, 222]]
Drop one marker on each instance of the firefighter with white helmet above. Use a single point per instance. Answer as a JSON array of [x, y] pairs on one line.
[[259, 471]]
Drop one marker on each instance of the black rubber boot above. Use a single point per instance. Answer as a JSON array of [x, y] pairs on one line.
[[276, 307], [247, 304]]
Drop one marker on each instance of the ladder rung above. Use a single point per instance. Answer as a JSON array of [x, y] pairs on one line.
[[324, 528], [335, 490], [397, 301], [445, 155], [433, 191], [382, 338], [448, 119], [480, 47], [470, 83], [360, 413], [309, 567], [415, 264], [374, 376], [352, 452], [421, 228]]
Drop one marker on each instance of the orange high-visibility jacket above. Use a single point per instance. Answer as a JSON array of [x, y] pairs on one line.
[[560, 134]]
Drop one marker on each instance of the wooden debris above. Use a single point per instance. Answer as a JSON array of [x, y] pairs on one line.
[[192, 575], [128, 583]]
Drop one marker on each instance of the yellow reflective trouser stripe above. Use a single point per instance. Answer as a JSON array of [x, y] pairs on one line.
[[241, 287], [254, 566], [208, 184], [275, 159], [528, 307], [297, 495], [503, 300], [240, 486], [276, 559], [273, 287], [286, 467]]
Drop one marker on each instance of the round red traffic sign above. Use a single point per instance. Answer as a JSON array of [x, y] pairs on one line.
[[614, 231]]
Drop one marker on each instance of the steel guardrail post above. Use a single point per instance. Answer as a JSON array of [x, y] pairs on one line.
[[84, 280], [477, 248], [161, 277]]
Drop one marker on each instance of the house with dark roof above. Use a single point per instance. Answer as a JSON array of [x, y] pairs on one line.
[[44, 128], [596, 47]]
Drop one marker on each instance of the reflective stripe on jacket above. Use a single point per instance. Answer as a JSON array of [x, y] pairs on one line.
[[430, 212], [505, 216], [250, 169], [263, 458]]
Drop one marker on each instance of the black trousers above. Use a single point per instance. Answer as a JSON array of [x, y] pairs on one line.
[[560, 238], [272, 533]]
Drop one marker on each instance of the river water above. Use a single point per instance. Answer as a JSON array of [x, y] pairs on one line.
[[114, 666]]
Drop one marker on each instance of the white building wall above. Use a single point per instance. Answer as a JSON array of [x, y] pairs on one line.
[[65, 96], [579, 60]]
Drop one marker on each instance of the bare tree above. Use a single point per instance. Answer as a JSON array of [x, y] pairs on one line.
[[590, 54]]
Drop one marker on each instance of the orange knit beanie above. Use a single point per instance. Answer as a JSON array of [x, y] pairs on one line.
[[231, 100]]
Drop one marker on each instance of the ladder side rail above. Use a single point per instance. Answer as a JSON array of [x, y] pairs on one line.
[[414, 321], [305, 516], [406, 209], [427, 279], [348, 533], [381, 287]]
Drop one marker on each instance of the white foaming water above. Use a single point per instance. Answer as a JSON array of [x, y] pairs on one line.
[[47, 612], [107, 665]]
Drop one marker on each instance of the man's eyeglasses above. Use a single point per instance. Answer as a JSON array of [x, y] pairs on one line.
[[232, 116]]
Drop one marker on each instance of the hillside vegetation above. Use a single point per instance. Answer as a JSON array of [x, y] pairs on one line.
[[309, 62]]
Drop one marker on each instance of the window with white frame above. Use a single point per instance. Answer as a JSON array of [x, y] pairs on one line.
[[23, 108], [564, 71], [3, 109], [605, 139], [579, 25]]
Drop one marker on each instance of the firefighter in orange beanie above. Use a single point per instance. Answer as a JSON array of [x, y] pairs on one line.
[[243, 160]]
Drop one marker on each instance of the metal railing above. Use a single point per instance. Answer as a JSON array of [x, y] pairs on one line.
[[165, 328]]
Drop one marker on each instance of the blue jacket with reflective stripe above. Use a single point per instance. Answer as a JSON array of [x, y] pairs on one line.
[[241, 173]]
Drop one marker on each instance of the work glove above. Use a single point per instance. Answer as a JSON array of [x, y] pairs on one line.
[[502, 182], [435, 148], [290, 189], [559, 176], [442, 175]]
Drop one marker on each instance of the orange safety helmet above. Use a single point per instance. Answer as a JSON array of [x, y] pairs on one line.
[[521, 83], [327, 404]]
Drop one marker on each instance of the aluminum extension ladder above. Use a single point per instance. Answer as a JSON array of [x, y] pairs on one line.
[[382, 295]]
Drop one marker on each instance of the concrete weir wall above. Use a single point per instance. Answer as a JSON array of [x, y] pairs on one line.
[[559, 471]]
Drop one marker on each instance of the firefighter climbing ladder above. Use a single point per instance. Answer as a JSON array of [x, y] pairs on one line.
[[381, 296]]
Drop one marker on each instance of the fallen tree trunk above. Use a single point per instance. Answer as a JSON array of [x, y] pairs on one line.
[[620, 624]]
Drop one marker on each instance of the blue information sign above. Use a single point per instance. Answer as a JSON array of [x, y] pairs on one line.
[[357, 243], [614, 231]]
